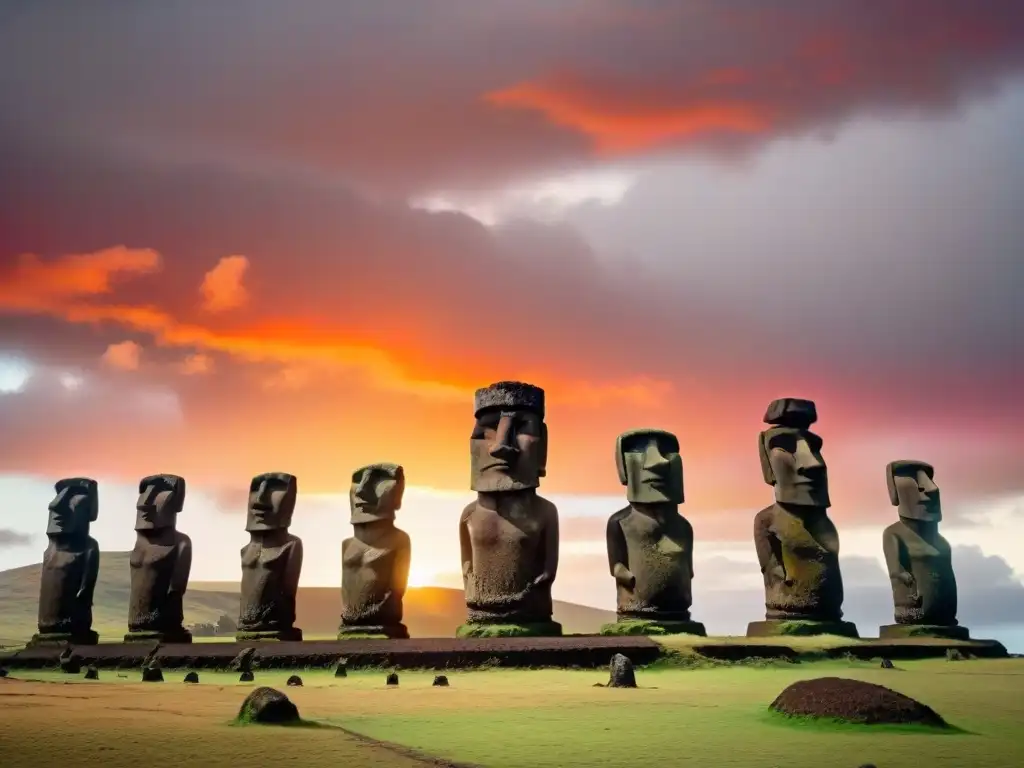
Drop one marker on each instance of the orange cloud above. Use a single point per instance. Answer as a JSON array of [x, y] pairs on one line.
[[618, 127], [196, 364], [222, 287], [124, 356]]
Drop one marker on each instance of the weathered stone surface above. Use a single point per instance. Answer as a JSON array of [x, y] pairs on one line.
[[294, 681], [375, 561], [246, 677], [160, 563], [918, 558], [341, 670], [192, 678], [853, 701], [509, 535], [800, 628], [70, 564], [268, 706], [152, 673], [650, 545], [484, 629], [628, 627], [622, 673], [392, 679], [70, 663], [271, 561], [91, 673], [244, 661], [797, 544], [440, 681]]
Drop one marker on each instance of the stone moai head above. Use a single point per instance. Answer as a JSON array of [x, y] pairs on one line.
[[74, 507], [791, 457], [376, 492], [509, 444], [271, 501], [161, 499], [650, 466], [912, 488]]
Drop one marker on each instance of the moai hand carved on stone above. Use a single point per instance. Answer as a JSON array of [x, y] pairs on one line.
[[797, 544], [71, 565], [650, 545], [918, 558], [509, 535], [271, 561], [160, 563], [375, 561]]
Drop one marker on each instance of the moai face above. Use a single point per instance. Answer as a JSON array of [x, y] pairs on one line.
[[791, 459], [271, 501], [74, 507], [650, 466], [161, 499], [376, 493], [509, 444], [912, 488]]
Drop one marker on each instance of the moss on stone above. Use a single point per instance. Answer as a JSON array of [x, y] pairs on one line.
[[632, 627], [545, 629]]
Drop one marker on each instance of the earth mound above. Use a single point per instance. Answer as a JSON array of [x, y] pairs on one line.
[[266, 705], [853, 701]]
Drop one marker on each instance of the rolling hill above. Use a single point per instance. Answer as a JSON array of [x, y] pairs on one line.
[[429, 611]]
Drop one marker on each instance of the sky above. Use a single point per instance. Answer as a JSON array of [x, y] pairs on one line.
[[296, 237]]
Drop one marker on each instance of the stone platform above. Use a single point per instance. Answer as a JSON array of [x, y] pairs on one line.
[[584, 651]]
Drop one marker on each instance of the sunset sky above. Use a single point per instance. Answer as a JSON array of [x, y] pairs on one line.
[[297, 236]]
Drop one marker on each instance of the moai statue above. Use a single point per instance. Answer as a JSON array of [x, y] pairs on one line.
[[918, 559], [650, 545], [71, 564], [271, 561], [375, 561], [160, 563], [797, 545], [509, 535]]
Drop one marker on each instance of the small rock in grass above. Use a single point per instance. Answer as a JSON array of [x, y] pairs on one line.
[[887, 664], [243, 662], [192, 677], [266, 705], [392, 679], [69, 663], [953, 654], [152, 673], [294, 681], [91, 673], [3, 672], [246, 677], [341, 670], [441, 681], [622, 674]]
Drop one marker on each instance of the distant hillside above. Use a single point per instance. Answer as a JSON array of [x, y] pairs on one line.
[[429, 611]]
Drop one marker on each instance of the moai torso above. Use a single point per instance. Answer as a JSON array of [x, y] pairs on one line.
[[268, 586], [659, 554], [155, 562], [806, 545], [373, 578], [509, 538]]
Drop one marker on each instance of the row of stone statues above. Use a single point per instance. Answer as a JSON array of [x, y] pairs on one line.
[[509, 542]]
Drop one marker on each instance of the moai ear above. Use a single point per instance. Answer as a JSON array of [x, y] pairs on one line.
[[890, 481], [542, 453], [766, 466], [620, 459]]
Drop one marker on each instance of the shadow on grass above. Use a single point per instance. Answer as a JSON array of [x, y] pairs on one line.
[[837, 725]]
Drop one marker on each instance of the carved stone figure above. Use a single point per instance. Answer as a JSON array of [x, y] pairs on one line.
[[160, 563], [271, 561], [375, 561], [509, 535], [71, 564], [650, 545], [797, 544], [918, 558]]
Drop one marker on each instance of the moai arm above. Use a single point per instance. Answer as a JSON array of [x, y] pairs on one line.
[[465, 543], [769, 552], [90, 572], [294, 569], [618, 554], [893, 564], [550, 546], [403, 557], [689, 547], [182, 567]]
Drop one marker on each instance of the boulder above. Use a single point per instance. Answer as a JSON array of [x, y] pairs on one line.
[[392, 679], [441, 681], [91, 673], [853, 701], [622, 673], [294, 681], [192, 677], [267, 705]]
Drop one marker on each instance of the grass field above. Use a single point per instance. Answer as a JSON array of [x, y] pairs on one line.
[[715, 717]]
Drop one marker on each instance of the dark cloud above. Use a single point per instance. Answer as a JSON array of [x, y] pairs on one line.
[[10, 538], [452, 94]]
